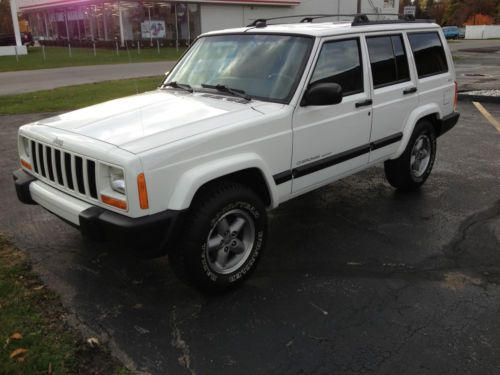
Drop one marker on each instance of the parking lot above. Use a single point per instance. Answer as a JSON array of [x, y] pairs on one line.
[[357, 278]]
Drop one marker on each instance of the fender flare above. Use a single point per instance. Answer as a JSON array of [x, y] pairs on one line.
[[191, 180], [413, 119]]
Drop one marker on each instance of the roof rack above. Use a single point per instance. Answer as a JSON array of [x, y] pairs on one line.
[[262, 22], [362, 19], [359, 19]]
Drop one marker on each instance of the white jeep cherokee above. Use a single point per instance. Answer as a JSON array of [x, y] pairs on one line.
[[248, 119]]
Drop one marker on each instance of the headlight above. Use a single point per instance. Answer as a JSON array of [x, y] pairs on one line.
[[117, 180], [26, 147]]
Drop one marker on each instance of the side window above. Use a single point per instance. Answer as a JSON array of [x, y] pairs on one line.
[[340, 62], [388, 60], [429, 53]]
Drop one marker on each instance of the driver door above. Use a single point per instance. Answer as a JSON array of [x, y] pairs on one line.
[[331, 140]]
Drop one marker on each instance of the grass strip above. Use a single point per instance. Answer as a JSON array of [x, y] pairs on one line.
[[59, 57], [34, 338], [74, 97]]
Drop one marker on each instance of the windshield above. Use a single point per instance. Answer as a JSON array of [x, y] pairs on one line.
[[265, 67]]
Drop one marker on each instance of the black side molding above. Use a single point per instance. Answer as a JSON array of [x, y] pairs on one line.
[[332, 160], [375, 145], [282, 177], [318, 165]]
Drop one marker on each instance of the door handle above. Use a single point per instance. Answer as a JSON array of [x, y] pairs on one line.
[[364, 103], [410, 91]]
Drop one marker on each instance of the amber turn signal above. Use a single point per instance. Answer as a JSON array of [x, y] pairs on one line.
[[143, 191], [118, 203], [26, 165]]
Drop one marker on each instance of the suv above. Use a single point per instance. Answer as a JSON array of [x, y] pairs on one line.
[[248, 119]]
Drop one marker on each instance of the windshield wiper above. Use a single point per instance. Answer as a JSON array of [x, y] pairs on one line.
[[229, 90], [176, 85]]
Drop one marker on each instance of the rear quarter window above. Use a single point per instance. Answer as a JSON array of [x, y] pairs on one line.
[[429, 53]]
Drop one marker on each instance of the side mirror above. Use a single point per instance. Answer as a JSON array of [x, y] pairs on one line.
[[322, 94], [167, 73]]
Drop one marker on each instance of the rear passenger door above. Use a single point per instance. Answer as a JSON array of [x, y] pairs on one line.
[[394, 92]]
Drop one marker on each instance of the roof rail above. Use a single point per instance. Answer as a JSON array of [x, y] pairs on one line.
[[359, 19], [362, 19], [262, 22]]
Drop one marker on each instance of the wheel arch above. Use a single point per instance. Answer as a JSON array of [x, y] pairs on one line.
[[430, 112], [247, 169]]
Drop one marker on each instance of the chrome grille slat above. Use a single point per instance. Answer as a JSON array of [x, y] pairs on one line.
[[34, 153], [65, 169], [41, 159], [85, 177], [79, 174], [56, 159], [54, 169], [48, 157], [45, 164], [73, 173]]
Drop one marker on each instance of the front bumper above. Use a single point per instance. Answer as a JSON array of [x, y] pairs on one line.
[[153, 234]]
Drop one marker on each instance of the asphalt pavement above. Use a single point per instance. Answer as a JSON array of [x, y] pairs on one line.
[[477, 64], [356, 279]]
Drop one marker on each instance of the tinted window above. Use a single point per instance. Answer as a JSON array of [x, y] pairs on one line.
[[401, 59], [429, 53], [340, 62], [388, 60]]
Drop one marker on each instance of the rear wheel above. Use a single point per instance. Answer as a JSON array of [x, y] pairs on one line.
[[223, 238], [413, 167]]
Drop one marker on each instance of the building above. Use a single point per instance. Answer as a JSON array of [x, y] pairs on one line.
[[170, 22]]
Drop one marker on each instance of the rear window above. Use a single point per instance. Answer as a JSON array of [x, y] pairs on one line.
[[429, 53], [388, 60]]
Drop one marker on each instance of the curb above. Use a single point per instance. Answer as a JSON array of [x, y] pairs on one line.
[[479, 98]]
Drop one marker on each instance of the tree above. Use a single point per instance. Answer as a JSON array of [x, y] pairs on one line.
[[480, 19], [5, 18], [438, 10]]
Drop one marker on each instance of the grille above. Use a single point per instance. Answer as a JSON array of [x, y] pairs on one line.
[[64, 169]]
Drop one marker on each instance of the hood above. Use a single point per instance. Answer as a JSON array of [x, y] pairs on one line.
[[141, 122]]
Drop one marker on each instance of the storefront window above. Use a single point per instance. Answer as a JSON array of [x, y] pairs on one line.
[[167, 22]]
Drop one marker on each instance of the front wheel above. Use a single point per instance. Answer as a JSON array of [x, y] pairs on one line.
[[413, 167], [223, 238]]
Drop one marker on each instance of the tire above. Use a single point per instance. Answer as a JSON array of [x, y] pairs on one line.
[[413, 167], [225, 233]]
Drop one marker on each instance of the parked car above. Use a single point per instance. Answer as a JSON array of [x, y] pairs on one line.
[[249, 118], [451, 32], [10, 39], [461, 32]]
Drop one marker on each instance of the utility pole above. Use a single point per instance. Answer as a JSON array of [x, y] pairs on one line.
[[15, 23], [359, 7]]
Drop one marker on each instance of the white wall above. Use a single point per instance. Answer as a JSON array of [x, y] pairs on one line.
[[482, 31], [13, 50], [216, 17]]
